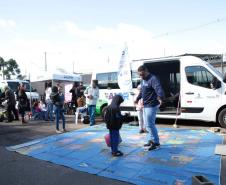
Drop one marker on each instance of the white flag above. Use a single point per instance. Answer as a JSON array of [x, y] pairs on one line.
[[124, 73]]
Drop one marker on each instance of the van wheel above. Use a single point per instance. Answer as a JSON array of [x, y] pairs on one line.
[[103, 111], [222, 118]]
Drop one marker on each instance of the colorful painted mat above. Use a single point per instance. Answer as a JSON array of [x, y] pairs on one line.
[[183, 154]]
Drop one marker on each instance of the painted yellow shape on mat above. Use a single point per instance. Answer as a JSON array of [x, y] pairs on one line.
[[176, 142], [97, 140]]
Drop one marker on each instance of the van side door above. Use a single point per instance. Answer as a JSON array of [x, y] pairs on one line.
[[199, 99]]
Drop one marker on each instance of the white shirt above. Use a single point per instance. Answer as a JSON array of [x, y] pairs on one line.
[[95, 94], [48, 92]]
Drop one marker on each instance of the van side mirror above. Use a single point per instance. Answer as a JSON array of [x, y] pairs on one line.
[[215, 84]]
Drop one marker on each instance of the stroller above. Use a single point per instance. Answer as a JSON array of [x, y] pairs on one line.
[[3, 111]]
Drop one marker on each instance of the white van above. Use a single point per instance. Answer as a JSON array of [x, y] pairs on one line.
[[194, 89], [13, 85]]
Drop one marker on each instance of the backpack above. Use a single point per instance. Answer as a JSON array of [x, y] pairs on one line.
[[86, 119]]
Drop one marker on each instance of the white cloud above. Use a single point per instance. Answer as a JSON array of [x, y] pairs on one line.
[[91, 48], [7, 24], [87, 49], [111, 40]]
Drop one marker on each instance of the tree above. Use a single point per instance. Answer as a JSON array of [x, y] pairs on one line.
[[9, 68], [2, 64]]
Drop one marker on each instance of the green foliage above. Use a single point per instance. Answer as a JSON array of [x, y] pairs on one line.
[[9, 68]]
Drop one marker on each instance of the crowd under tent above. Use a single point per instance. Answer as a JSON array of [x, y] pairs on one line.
[[66, 80]]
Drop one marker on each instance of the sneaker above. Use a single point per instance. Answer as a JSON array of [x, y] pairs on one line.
[[58, 131], [149, 143], [117, 154], [154, 146]]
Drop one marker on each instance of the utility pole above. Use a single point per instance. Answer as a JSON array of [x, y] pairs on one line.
[[108, 60], [45, 62]]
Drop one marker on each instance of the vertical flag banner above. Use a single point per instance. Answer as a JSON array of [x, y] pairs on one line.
[[124, 72]]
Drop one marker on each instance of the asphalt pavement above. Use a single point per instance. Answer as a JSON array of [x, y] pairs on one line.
[[17, 169]]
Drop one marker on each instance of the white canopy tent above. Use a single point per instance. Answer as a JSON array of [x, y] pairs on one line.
[[55, 77], [58, 76]]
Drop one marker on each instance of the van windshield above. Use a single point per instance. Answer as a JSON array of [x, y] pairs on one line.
[[14, 86]]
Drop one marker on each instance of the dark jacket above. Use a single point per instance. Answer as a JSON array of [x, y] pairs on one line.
[[113, 116], [55, 97], [10, 97], [22, 99], [151, 91], [73, 92]]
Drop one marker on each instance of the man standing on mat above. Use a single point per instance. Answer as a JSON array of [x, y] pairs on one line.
[[152, 95]]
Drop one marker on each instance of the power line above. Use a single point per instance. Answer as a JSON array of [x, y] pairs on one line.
[[191, 28]]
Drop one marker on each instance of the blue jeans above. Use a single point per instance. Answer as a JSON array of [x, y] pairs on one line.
[[149, 119], [114, 137], [59, 114], [92, 112], [49, 113]]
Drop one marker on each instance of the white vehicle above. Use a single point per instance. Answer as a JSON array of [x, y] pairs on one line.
[[14, 84], [108, 87], [194, 89]]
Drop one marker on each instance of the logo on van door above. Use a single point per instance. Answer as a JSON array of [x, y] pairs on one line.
[[109, 96]]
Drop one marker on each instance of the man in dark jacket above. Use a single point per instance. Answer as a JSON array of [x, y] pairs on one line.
[[152, 95]]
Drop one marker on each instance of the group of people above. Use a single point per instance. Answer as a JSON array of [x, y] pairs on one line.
[[149, 99], [54, 99], [86, 98], [77, 95], [9, 100]]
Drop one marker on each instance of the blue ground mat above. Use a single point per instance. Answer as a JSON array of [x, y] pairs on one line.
[[183, 154]]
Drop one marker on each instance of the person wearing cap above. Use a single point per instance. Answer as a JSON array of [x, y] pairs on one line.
[[92, 95]]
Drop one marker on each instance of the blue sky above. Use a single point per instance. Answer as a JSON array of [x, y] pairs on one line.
[[91, 31]]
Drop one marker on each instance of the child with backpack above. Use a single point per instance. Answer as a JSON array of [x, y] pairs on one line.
[[114, 120]]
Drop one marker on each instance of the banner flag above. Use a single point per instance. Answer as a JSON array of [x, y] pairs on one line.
[[124, 72]]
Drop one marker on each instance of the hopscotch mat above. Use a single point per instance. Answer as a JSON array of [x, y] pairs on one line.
[[183, 154]]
